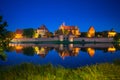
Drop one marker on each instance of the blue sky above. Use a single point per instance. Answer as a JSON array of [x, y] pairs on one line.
[[102, 14]]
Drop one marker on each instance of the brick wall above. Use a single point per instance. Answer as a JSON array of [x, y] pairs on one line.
[[94, 39], [56, 39]]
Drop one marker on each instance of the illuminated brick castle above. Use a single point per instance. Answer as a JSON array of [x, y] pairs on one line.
[[67, 29]]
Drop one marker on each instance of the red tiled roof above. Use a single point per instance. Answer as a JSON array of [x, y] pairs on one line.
[[68, 27], [43, 27], [19, 31], [91, 28]]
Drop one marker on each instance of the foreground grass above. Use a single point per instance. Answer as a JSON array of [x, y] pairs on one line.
[[27, 71]]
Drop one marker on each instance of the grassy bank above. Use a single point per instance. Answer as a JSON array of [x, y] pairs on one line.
[[27, 71]]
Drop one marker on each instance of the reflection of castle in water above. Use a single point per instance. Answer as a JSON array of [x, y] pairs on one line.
[[42, 51], [63, 50], [67, 50]]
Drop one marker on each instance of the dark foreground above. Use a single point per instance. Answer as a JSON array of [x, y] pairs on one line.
[[26, 71]]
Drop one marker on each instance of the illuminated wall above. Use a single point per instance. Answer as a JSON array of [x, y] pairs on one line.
[[74, 29], [111, 34], [42, 30], [18, 36], [18, 33], [91, 32]]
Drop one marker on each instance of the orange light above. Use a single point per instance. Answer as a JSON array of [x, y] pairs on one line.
[[91, 32], [18, 36], [77, 50], [111, 34], [111, 49], [64, 54], [18, 47], [91, 51], [36, 49]]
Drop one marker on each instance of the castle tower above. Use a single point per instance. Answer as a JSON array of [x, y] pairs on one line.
[[91, 32]]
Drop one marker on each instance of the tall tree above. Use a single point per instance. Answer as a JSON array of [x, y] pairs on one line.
[[3, 32], [4, 38], [28, 33]]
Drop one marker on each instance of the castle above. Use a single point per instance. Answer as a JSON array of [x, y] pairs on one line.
[[64, 32]]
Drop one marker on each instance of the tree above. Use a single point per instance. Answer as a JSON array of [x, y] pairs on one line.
[[98, 34], [49, 34], [65, 32], [29, 51], [105, 33], [58, 32], [83, 34], [117, 37], [3, 56], [28, 33], [3, 32]]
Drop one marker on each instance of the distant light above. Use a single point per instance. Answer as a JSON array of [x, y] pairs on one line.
[[111, 49], [91, 51]]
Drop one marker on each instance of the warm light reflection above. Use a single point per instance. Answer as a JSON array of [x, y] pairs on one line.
[[61, 47], [39, 51], [70, 46], [63, 50], [91, 51], [111, 49], [76, 51], [18, 49], [36, 49], [64, 54]]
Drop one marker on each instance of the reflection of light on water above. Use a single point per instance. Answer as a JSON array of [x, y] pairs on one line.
[[39, 51], [36, 49], [76, 51], [111, 49], [18, 47], [61, 46], [64, 54], [42, 49], [91, 51], [70, 46]]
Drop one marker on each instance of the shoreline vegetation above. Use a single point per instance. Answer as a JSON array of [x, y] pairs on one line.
[[28, 71]]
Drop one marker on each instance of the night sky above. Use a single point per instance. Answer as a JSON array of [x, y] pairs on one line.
[[102, 14]]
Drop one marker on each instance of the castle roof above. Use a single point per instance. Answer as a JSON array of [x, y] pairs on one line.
[[68, 27], [19, 31], [91, 28], [43, 27]]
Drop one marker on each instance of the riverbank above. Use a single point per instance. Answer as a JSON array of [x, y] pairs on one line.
[[105, 71]]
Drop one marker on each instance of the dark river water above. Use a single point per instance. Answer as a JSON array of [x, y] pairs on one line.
[[66, 55]]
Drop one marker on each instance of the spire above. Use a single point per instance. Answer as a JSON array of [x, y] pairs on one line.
[[63, 23]]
